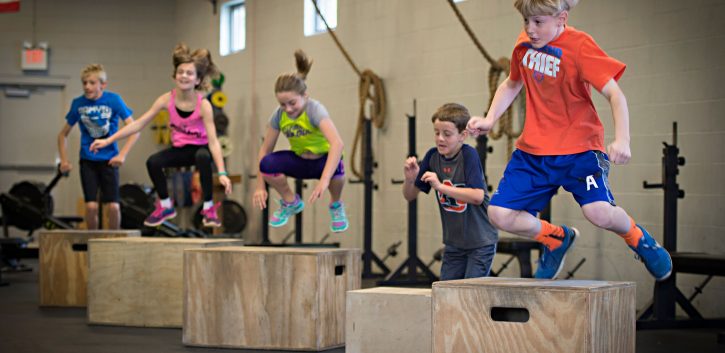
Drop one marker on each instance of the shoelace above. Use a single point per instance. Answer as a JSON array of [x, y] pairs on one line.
[[337, 213], [645, 245]]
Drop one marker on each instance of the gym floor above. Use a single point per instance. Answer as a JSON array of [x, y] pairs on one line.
[[24, 327]]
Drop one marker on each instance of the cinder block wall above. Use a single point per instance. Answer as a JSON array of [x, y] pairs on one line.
[[672, 50]]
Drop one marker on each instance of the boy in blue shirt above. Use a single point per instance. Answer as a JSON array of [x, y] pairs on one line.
[[99, 113], [454, 171]]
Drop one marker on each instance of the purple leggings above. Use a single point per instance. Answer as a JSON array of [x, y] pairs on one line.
[[292, 165]]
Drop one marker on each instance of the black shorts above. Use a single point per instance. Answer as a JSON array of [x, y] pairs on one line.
[[97, 175]]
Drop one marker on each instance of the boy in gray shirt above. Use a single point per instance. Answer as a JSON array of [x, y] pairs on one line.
[[454, 171]]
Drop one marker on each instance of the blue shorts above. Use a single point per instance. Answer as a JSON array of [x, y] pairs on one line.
[[530, 181]]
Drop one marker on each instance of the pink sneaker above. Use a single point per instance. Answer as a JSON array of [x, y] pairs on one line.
[[210, 218], [159, 215]]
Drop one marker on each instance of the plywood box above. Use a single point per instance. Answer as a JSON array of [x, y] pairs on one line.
[[268, 297], [527, 315], [388, 320], [63, 259], [139, 281]]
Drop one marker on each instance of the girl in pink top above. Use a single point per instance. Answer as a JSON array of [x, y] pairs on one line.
[[193, 135]]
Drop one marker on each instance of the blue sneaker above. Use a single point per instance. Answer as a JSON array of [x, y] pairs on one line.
[[339, 219], [282, 215], [552, 261], [655, 257]]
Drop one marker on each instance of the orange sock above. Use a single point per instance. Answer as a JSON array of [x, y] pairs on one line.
[[550, 235], [633, 236]]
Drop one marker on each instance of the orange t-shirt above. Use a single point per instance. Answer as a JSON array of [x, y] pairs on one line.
[[560, 114]]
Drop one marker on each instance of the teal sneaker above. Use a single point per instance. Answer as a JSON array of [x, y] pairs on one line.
[[339, 219], [282, 215], [656, 259], [552, 261]]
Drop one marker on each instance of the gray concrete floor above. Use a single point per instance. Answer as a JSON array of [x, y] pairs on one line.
[[24, 327]]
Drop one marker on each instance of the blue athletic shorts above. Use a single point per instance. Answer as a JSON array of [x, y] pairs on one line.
[[530, 181]]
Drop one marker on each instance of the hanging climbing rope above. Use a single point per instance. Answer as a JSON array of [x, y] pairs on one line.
[[498, 68], [371, 90]]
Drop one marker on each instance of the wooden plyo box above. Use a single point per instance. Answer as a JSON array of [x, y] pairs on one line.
[[527, 315], [388, 320], [268, 297], [140, 281], [63, 260]]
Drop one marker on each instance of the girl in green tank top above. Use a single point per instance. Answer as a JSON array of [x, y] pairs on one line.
[[315, 151]]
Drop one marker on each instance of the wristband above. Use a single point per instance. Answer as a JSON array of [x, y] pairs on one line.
[[223, 174]]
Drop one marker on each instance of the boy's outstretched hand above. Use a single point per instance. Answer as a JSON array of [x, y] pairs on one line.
[[479, 126], [411, 169], [98, 144]]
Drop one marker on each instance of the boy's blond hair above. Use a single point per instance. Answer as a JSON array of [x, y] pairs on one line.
[[529, 8], [96, 69], [454, 113]]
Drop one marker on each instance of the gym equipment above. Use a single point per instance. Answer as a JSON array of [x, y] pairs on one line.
[[413, 262], [28, 205], [369, 257], [137, 202], [388, 319], [310, 316], [661, 312], [63, 264], [523, 314], [122, 290]]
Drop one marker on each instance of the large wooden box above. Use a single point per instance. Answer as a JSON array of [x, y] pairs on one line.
[[139, 281], [388, 320], [63, 259], [527, 315], [268, 297]]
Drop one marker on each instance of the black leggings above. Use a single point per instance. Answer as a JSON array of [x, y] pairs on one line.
[[184, 156]]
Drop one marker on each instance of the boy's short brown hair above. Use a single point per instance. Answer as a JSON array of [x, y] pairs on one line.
[[94, 69], [529, 8], [453, 112]]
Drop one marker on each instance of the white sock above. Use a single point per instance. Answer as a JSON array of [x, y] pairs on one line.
[[166, 203], [208, 204]]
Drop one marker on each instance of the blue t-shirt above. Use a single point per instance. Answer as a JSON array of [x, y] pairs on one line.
[[99, 119]]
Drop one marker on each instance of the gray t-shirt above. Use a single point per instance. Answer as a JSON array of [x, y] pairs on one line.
[[314, 109], [465, 226]]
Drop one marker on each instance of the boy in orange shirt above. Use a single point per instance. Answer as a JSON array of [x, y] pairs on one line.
[[562, 144]]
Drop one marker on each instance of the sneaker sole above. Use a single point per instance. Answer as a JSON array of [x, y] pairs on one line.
[[211, 224], [563, 258], [278, 224], [667, 275], [156, 224], [340, 230]]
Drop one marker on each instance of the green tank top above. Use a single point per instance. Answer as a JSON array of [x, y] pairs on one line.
[[302, 135]]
